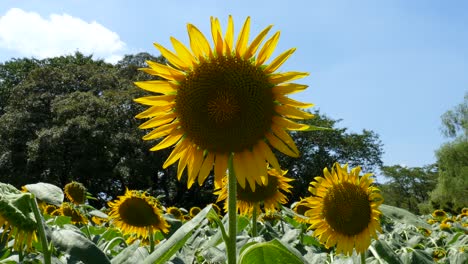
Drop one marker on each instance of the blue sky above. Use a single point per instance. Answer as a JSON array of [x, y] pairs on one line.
[[393, 67]]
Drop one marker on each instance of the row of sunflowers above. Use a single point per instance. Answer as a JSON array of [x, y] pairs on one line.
[[223, 108]]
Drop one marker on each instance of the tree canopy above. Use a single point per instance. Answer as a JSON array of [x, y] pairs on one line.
[[73, 118]]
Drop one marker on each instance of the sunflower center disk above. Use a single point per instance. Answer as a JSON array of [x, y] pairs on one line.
[[347, 208], [225, 104], [262, 192], [137, 212]]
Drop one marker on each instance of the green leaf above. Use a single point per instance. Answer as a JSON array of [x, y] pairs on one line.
[[416, 256], [459, 258], [78, 247], [46, 192], [402, 216], [98, 213], [270, 252], [167, 249], [385, 252], [131, 254]]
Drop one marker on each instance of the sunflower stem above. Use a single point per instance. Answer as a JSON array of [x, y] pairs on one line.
[[232, 213], [41, 230], [151, 239], [363, 258], [254, 220]]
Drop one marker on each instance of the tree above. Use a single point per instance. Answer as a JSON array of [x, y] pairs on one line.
[[322, 148], [407, 187], [451, 192]]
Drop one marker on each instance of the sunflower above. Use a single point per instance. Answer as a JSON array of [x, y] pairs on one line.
[[439, 214], [69, 209], [223, 100], [137, 213], [194, 211], [16, 218], [300, 208], [174, 211], [344, 209], [270, 194], [75, 192]]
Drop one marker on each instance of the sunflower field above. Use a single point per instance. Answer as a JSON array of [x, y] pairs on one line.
[[77, 233]]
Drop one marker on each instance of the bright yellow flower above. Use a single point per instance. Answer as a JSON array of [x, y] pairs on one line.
[[344, 209], [215, 101], [271, 194], [439, 214], [174, 211], [68, 209], [136, 213], [194, 211]]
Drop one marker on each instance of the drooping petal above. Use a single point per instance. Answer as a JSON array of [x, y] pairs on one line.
[[292, 112], [279, 145], [288, 88], [268, 154], [161, 131], [168, 141], [287, 76], [291, 102], [278, 61], [206, 168], [158, 121], [165, 71], [158, 86], [156, 110], [178, 151], [267, 49], [221, 164], [288, 124], [156, 100]]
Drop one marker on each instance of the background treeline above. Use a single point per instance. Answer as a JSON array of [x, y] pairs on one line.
[[72, 118]]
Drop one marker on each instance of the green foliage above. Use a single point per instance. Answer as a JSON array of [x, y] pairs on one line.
[[451, 192], [407, 187]]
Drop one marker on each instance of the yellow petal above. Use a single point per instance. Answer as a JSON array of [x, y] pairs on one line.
[[288, 88], [288, 124], [158, 121], [267, 49], [292, 112], [172, 58], [156, 100], [156, 110], [229, 37], [239, 169], [205, 168], [249, 53], [183, 52], [243, 39], [166, 72], [291, 102], [285, 137], [183, 161], [162, 87], [278, 61], [268, 155], [194, 166], [178, 151], [287, 76], [168, 141], [279, 145], [251, 171], [261, 165], [198, 42], [221, 165], [217, 36], [161, 131]]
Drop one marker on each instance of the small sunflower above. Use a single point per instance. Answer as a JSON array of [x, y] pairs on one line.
[[445, 226], [49, 209], [215, 101], [69, 209], [439, 214], [300, 208], [174, 211], [194, 211], [270, 194], [216, 208], [137, 213], [75, 192], [344, 209]]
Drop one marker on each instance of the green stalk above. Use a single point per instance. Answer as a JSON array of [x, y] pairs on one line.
[[41, 230], [254, 221], [151, 239], [363, 258], [232, 213]]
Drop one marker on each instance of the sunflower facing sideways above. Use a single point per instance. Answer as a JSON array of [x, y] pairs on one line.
[[344, 209], [270, 195], [216, 101], [136, 213]]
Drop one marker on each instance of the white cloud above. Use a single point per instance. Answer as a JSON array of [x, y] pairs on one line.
[[29, 34]]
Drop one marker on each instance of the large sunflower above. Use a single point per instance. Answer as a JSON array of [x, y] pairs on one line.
[[270, 194], [136, 213], [344, 209], [215, 101]]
